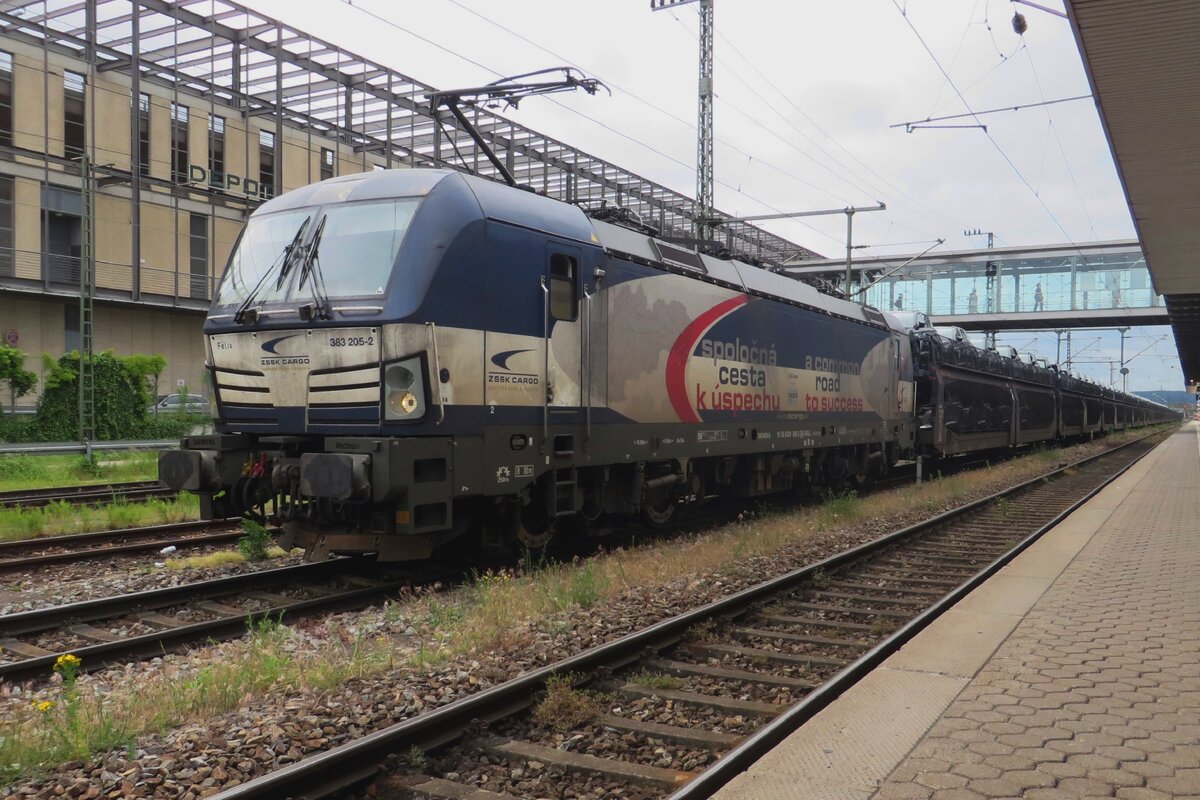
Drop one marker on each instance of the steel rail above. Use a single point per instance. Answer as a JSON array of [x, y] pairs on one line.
[[733, 762], [334, 770], [103, 544], [84, 494], [36, 543], [98, 655]]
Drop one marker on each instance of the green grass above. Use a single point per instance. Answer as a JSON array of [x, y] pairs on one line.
[[61, 518], [69, 723], [38, 472]]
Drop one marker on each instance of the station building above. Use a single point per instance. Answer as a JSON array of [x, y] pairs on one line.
[[160, 246], [190, 114]]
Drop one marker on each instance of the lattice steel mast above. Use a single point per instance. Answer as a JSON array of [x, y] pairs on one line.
[[704, 115]]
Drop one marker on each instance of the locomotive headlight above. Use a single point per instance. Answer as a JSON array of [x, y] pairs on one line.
[[404, 389], [402, 404]]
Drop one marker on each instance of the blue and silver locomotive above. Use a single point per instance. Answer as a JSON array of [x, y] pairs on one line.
[[401, 358]]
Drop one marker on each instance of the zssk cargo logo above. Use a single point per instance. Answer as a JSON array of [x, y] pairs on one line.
[[277, 359], [742, 388], [508, 376]]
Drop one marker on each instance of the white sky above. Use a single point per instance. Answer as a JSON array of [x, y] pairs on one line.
[[805, 93]]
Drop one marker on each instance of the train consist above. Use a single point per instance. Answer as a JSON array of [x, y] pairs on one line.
[[399, 358]]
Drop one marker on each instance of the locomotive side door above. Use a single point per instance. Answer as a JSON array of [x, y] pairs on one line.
[[563, 307]]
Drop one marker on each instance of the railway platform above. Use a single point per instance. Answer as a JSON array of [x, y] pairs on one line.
[[1074, 672]]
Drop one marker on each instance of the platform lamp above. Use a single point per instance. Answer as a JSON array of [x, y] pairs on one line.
[[1124, 369], [1019, 23]]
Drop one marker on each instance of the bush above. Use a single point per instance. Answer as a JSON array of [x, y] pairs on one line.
[[122, 395], [254, 545], [14, 428]]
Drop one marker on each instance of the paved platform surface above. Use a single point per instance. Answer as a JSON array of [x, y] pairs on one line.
[[1073, 673]]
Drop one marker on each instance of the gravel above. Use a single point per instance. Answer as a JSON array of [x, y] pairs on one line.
[[108, 576], [197, 760]]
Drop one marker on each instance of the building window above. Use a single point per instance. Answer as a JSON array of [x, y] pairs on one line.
[[326, 163], [266, 162], [6, 98], [71, 338], [143, 134], [216, 147], [7, 252], [179, 143], [73, 113], [198, 255]]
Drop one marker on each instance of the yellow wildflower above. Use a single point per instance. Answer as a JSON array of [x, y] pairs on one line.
[[43, 706], [67, 661]]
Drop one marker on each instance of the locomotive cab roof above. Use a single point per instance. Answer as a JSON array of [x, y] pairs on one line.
[[450, 199]]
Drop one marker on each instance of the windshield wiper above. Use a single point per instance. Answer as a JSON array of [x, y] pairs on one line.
[[247, 314], [319, 307]]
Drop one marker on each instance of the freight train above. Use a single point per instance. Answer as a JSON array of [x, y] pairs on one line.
[[400, 358]]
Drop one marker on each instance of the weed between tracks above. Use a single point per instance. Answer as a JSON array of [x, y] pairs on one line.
[[62, 518], [70, 721], [496, 612]]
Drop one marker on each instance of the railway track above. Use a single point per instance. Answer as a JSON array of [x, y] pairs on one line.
[[681, 707], [113, 629], [41, 551], [84, 495]]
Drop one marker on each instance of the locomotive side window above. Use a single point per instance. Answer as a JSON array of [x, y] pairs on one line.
[[563, 296]]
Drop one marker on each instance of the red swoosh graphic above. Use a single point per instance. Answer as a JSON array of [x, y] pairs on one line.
[[682, 349]]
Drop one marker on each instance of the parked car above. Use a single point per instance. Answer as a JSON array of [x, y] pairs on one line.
[[174, 403], [911, 320], [952, 332]]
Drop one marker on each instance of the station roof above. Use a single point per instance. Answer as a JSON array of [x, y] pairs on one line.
[[244, 59], [1143, 63]]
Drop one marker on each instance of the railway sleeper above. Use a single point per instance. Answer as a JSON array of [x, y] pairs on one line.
[[801, 638], [851, 610], [759, 655], [817, 622], [640, 774], [884, 600], [728, 705], [713, 741], [423, 788], [905, 578], [684, 669], [932, 594]]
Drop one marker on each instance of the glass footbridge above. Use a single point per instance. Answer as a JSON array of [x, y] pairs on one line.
[[1102, 285]]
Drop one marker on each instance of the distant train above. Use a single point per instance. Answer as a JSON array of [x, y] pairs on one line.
[[402, 357]]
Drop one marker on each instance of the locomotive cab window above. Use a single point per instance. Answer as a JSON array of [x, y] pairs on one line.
[[564, 303]]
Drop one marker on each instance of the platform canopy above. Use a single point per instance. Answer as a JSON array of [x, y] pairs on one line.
[[1143, 62]]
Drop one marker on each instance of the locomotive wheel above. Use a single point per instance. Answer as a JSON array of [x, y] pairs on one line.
[[531, 528], [659, 514]]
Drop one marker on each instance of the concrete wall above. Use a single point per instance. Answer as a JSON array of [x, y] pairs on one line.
[[39, 323]]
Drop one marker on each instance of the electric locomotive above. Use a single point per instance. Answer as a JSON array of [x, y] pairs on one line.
[[400, 357]]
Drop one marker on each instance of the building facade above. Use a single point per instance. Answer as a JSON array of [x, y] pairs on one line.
[[159, 248]]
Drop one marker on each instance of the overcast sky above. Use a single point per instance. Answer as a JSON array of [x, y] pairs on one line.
[[805, 93]]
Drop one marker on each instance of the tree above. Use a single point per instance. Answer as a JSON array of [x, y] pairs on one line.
[[12, 371], [146, 369]]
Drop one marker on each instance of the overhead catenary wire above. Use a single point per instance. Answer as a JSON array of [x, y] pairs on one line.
[[1066, 160], [391, 23], [738, 110], [971, 113], [658, 108]]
